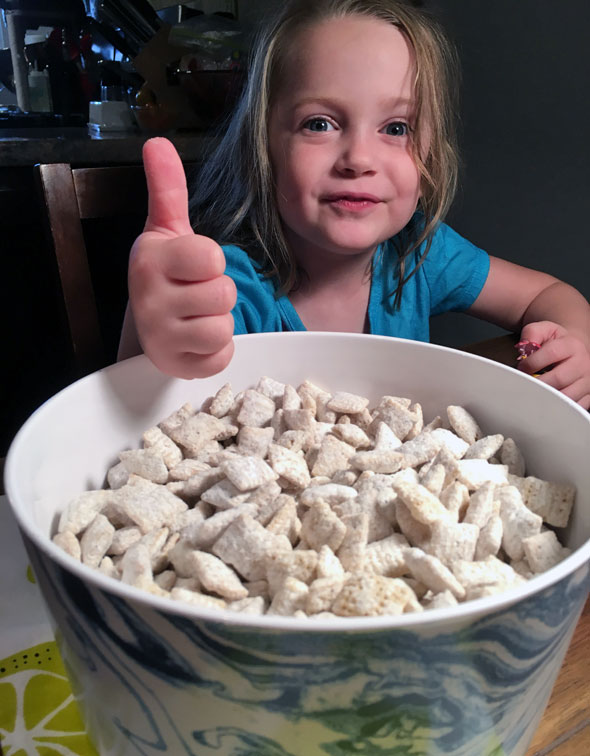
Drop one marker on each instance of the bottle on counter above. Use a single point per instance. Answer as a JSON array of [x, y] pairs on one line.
[[39, 90]]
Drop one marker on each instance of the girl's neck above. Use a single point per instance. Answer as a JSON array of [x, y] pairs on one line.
[[326, 269], [333, 294]]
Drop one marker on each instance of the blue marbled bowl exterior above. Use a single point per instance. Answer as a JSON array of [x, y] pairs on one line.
[[152, 683]]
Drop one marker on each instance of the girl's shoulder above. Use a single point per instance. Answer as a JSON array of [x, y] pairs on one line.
[[454, 269], [446, 244], [451, 252], [449, 277], [447, 238]]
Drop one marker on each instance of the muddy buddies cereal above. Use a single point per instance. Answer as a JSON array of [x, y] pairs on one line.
[[302, 502]]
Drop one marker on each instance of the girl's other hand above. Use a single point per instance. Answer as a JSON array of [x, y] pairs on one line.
[[180, 298], [565, 357]]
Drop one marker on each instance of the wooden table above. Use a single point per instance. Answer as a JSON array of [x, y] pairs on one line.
[[565, 727]]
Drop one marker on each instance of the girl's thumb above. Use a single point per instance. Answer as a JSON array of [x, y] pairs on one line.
[[167, 189]]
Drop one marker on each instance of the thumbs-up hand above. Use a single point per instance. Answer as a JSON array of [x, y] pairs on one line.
[[179, 295]]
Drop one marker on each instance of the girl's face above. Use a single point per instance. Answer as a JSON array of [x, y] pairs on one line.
[[339, 137]]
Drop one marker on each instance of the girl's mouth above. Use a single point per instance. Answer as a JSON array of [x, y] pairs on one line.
[[352, 202]]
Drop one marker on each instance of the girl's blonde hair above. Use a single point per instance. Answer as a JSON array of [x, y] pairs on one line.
[[234, 199]]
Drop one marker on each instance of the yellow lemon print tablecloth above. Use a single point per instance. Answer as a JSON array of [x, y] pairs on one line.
[[38, 713]]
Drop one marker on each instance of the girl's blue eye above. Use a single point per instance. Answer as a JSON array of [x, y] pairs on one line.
[[318, 124], [396, 128]]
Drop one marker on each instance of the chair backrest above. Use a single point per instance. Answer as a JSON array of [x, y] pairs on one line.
[[70, 196]]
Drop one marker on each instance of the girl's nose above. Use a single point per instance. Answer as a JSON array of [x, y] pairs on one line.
[[355, 157]]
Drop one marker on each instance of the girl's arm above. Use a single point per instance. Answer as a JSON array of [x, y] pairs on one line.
[[547, 311]]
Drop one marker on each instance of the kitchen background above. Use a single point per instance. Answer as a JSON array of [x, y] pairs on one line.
[[525, 121]]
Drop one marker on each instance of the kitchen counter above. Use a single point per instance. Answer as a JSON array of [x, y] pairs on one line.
[[27, 146]]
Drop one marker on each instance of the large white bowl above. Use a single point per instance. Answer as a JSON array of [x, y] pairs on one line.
[[153, 675]]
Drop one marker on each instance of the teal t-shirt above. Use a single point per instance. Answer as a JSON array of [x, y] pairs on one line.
[[450, 278]]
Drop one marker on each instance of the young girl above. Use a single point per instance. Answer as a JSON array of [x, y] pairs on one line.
[[327, 193]]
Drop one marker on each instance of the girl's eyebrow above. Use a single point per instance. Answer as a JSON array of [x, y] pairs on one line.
[[319, 100], [389, 103]]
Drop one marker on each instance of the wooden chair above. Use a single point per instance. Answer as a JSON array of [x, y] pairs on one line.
[[69, 197], [73, 195]]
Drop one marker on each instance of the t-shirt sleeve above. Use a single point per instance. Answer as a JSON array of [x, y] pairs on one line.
[[456, 271]]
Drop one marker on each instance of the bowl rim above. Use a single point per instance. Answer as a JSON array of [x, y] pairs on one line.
[[465, 612]]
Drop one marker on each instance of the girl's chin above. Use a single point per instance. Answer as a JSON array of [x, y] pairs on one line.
[[355, 238], [353, 246], [346, 243]]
